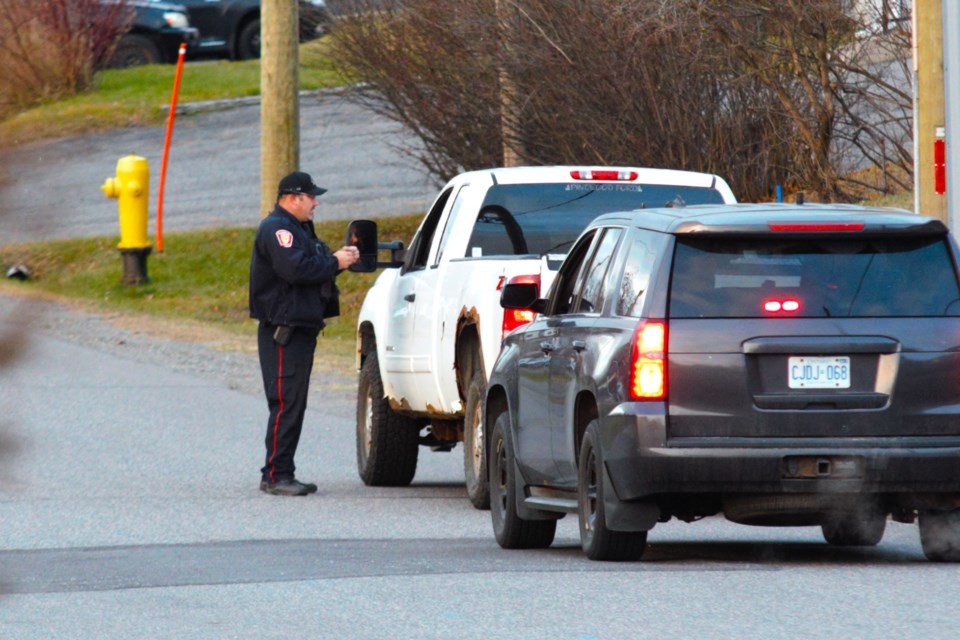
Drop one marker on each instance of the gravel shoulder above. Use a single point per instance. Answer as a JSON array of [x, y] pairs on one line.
[[204, 350]]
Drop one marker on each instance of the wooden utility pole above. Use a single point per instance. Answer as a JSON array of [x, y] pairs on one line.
[[512, 149], [279, 97], [929, 114]]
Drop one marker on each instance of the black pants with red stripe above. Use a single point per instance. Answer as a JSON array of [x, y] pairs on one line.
[[286, 379]]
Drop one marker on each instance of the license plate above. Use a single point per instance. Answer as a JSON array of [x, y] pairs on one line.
[[831, 372]]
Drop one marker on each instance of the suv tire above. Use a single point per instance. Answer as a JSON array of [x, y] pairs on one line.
[[511, 531], [387, 443], [134, 50], [248, 41], [599, 542], [940, 535], [474, 460]]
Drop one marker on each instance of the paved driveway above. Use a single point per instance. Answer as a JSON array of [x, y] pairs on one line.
[[51, 188]]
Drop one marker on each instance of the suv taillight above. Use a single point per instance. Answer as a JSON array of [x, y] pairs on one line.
[[648, 365]]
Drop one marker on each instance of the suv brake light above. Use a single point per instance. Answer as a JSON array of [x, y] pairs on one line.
[[816, 226], [513, 318], [648, 366], [588, 174]]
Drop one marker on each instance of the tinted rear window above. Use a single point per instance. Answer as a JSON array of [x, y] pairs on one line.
[[520, 219], [747, 278]]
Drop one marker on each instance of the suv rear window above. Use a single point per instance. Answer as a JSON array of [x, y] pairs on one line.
[[751, 278], [538, 219]]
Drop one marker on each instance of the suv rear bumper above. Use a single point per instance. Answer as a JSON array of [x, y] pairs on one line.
[[642, 463]]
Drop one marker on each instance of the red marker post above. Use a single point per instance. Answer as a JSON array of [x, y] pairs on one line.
[[166, 143], [939, 166]]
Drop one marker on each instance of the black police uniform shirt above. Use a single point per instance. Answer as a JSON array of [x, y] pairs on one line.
[[292, 273]]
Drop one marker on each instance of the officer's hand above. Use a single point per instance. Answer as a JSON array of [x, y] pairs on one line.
[[346, 256]]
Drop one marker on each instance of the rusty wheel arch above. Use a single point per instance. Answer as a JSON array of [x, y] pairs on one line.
[[468, 351]]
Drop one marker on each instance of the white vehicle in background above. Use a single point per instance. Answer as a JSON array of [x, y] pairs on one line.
[[431, 326]]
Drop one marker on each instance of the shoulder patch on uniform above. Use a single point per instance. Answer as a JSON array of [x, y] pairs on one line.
[[285, 238]]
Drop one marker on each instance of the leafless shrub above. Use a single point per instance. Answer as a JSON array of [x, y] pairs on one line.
[[628, 82], [431, 69], [52, 47], [840, 77], [762, 93]]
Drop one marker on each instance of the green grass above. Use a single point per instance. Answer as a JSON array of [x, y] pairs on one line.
[[201, 276], [137, 96]]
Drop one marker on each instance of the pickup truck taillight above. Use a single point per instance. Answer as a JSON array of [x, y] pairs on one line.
[[648, 364], [513, 318]]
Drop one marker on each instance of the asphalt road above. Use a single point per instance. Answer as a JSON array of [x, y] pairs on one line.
[[130, 510], [51, 188]]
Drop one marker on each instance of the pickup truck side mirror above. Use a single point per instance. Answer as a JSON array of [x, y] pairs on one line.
[[363, 235], [522, 295]]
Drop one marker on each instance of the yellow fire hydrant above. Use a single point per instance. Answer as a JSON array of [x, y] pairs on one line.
[[131, 187]]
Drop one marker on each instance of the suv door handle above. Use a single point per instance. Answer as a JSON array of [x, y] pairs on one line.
[[579, 345], [547, 347], [410, 297]]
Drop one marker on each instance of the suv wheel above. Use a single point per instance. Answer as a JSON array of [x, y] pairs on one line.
[[474, 460], [940, 535], [248, 41], [511, 531], [856, 528], [134, 51], [387, 442], [599, 542]]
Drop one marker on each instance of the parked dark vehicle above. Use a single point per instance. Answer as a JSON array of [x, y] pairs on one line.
[[784, 365], [156, 31], [231, 28]]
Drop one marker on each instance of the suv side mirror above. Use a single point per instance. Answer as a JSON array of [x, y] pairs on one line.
[[522, 295]]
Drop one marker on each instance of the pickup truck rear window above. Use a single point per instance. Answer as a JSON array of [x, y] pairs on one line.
[[545, 219], [754, 278]]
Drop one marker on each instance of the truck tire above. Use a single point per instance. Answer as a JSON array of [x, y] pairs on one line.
[[248, 41], [474, 458], [134, 50], [599, 542], [387, 442], [510, 530]]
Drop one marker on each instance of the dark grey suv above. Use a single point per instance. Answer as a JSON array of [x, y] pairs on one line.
[[783, 365]]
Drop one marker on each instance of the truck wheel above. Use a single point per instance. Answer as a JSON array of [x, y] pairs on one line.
[[857, 528], [474, 459], [599, 542], [940, 535], [134, 51], [387, 442], [511, 531], [248, 41]]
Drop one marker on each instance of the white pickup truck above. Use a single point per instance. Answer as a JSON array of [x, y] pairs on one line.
[[429, 330]]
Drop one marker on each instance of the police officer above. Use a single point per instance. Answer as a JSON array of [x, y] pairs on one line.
[[292, 290]]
